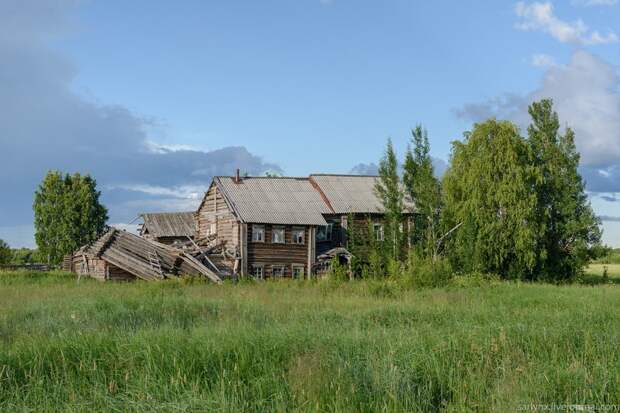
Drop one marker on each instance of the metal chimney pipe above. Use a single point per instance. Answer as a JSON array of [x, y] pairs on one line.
[[237, 177]]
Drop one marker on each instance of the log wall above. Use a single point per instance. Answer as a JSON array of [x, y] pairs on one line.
[[214, 210], [269, 254]]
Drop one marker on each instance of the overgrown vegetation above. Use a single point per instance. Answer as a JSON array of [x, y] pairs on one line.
[[509, 205], [478, 345]]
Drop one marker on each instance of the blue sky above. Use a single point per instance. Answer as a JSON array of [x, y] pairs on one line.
[[125, 89]]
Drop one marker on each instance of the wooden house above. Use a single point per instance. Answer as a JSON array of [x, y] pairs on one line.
[[270, 222], [168, 227], [122, 256], [278, 226]]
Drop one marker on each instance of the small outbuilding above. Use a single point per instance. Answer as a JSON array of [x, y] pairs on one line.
[[168, 227]]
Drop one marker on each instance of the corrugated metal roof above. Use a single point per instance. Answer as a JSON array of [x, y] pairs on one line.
[[352, 193], [170, 224], [292, 201]]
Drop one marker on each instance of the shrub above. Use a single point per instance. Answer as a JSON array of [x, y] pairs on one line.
[[422, 271]]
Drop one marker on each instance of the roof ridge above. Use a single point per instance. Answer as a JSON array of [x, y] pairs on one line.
[[264, 177], [347, 175]]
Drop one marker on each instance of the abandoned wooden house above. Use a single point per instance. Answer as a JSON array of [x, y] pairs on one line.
[[252, 226], [168, 227], [279, 226], [122, 256]]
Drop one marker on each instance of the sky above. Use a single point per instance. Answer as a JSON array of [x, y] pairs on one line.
[[153, 98]]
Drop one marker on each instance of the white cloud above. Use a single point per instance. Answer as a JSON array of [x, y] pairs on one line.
[[587, 98], [540, 17], [592, 3], [161, 148], [181, 192], [132, 228], [543, 60]]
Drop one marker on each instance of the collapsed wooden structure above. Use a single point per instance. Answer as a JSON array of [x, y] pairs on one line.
[[119, 255]]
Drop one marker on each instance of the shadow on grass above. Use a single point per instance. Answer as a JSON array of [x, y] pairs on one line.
[[597, 279]]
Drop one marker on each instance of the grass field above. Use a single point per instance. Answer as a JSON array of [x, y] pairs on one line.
[[304, 346]]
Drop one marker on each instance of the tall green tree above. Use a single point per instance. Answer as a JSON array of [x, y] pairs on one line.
[[424, 189], [5, 252], [488, 189], [568, 226], [388, 189], [68, 214]]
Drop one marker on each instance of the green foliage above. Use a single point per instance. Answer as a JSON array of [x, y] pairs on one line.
[[68, 214], [389, 191], [422, 271], [261, 347], [338, 271], [522, 202], [488, 188], [23, 256], [5, 252], [422, 186], [568, 227], [606, 255]]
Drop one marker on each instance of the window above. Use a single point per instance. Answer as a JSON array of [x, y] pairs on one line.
[[298, 272], [378, 230], [258, 233], [299, 235], [257, 271], [277, 271], [324, 233], [277, 235], [213, 228]]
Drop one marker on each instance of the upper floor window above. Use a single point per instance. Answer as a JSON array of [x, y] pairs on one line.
[[258, 233], [299, 235], [324, 233], [277, 235], [378, 230]]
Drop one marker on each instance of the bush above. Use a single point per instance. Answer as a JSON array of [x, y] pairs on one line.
[[422, 271]]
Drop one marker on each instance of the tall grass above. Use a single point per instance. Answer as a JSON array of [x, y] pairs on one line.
[[304, 346]]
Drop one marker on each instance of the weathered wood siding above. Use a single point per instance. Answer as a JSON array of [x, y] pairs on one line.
[[214, 210], [99, 269], [268, 254]]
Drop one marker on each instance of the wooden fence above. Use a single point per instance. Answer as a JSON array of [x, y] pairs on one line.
[[29, 267]]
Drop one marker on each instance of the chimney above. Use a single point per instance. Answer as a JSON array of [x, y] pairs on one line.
[[237, 177]]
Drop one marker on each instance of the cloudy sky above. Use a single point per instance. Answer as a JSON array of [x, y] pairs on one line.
[[155, 97]]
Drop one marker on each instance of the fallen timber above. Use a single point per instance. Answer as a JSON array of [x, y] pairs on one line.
[[124, 256]]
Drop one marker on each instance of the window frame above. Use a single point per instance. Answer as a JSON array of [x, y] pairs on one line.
[[255, 227], [298, 267], [278, 228], [329, 230], [381, 231], [254, 267], [280, 267], [296, 230]]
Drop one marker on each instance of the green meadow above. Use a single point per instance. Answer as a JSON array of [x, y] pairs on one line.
[[359, 346]]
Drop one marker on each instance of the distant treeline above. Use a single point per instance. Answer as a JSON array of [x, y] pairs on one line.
[[18, 256]]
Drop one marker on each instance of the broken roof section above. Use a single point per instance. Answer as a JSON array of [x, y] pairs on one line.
[[352, 193], [169, 224], [145, 259], [268, 200]]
